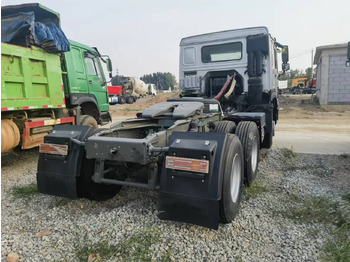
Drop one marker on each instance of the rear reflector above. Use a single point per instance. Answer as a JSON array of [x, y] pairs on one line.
[[187, 164], [53, 149]]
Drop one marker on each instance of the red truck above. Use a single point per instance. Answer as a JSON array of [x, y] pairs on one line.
[[118, 94]]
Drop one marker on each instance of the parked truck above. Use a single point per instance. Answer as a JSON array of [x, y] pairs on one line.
[[119, 94], [41, 88], [297, 85], [128, 90], [197, 150]]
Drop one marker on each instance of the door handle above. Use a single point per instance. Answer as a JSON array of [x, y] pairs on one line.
[[90, 82]]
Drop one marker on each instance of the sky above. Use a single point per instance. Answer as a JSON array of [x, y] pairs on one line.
[[142, 37]]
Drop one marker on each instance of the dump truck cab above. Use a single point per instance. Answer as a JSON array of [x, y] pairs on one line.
[[84, 81]]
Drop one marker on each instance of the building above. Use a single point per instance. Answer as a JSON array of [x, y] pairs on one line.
[[333, 77]]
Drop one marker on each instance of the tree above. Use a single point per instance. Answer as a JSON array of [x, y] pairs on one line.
[[117, 80], [162, 80]]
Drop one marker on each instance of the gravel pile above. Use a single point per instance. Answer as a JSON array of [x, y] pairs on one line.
[[45, 228]]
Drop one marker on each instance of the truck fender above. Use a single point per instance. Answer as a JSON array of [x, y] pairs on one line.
[[193, 197], [57, 174], [79, 99]]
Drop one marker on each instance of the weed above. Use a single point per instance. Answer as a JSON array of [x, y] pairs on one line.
[[25, 191], [313, 232], [345, 156], [167, 256], [338, 249], [288, 153], [346, 197], [254, 190], [309, 209], [134, 248]]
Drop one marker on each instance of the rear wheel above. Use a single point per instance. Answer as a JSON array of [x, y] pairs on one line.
[[86, 120], [87, 188], [130, 100], [122, 100], [232, 180], [248, 134], [225, 127]]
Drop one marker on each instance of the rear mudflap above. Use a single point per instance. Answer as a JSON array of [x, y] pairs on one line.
[[57, 184], [57, 173], [192, 195], [202, 212]]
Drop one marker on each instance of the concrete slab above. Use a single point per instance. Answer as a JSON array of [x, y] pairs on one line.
[[313, 142]]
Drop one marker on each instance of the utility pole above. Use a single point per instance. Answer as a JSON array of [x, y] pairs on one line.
[[312, 64]]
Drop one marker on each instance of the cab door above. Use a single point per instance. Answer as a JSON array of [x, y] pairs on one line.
[[96, 81]]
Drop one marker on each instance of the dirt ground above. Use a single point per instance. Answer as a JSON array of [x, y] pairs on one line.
[[308, 128], [125, 111]]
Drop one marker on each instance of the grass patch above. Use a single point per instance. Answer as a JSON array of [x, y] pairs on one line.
[[345, 156], [133, 109], [288, 153], [134, 248], [346, 197], [313, 209], [254, 190], [25, 191], [338, 249], [322, 210]]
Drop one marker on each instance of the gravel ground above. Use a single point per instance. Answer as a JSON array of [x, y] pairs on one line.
[[45, 228]]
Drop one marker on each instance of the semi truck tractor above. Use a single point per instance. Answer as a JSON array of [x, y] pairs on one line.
[[41, 86], [197, 150]]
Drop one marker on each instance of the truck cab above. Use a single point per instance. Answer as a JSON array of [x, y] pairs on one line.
[[248, 55], [84, 82]]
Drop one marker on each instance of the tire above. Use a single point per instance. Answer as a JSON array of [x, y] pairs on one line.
[[87, 188], [130, 100], [86, 120], [122, 100], [232, 179], [248, 134], [267, 142], [225, 127]]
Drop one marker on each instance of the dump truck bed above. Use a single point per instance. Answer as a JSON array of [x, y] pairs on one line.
[[30, 79]]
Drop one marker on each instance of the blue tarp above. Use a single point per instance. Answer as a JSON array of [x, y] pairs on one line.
[[15, 29]]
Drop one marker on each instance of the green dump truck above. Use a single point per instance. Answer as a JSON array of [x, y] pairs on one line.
[[40, 89]]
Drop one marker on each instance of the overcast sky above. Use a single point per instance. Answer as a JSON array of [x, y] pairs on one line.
[[143, 37]]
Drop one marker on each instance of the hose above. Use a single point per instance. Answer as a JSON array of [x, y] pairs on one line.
[[223, 89], [232, 88]]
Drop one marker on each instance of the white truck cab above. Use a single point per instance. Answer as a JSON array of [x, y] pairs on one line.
[[248, 55]]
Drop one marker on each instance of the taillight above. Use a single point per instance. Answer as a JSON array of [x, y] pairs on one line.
[[53, 149], [187, 164]]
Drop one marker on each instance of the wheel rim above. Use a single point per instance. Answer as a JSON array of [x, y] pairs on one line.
[[254, 160], [235, 178]]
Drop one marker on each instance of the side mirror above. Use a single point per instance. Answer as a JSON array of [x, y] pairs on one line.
[[285, 67], [285, 54], [109, 65]]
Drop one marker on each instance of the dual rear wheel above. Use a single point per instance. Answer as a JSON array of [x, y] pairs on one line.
[[240, 164]]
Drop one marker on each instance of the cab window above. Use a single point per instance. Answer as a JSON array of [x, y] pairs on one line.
[[90, 66]]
